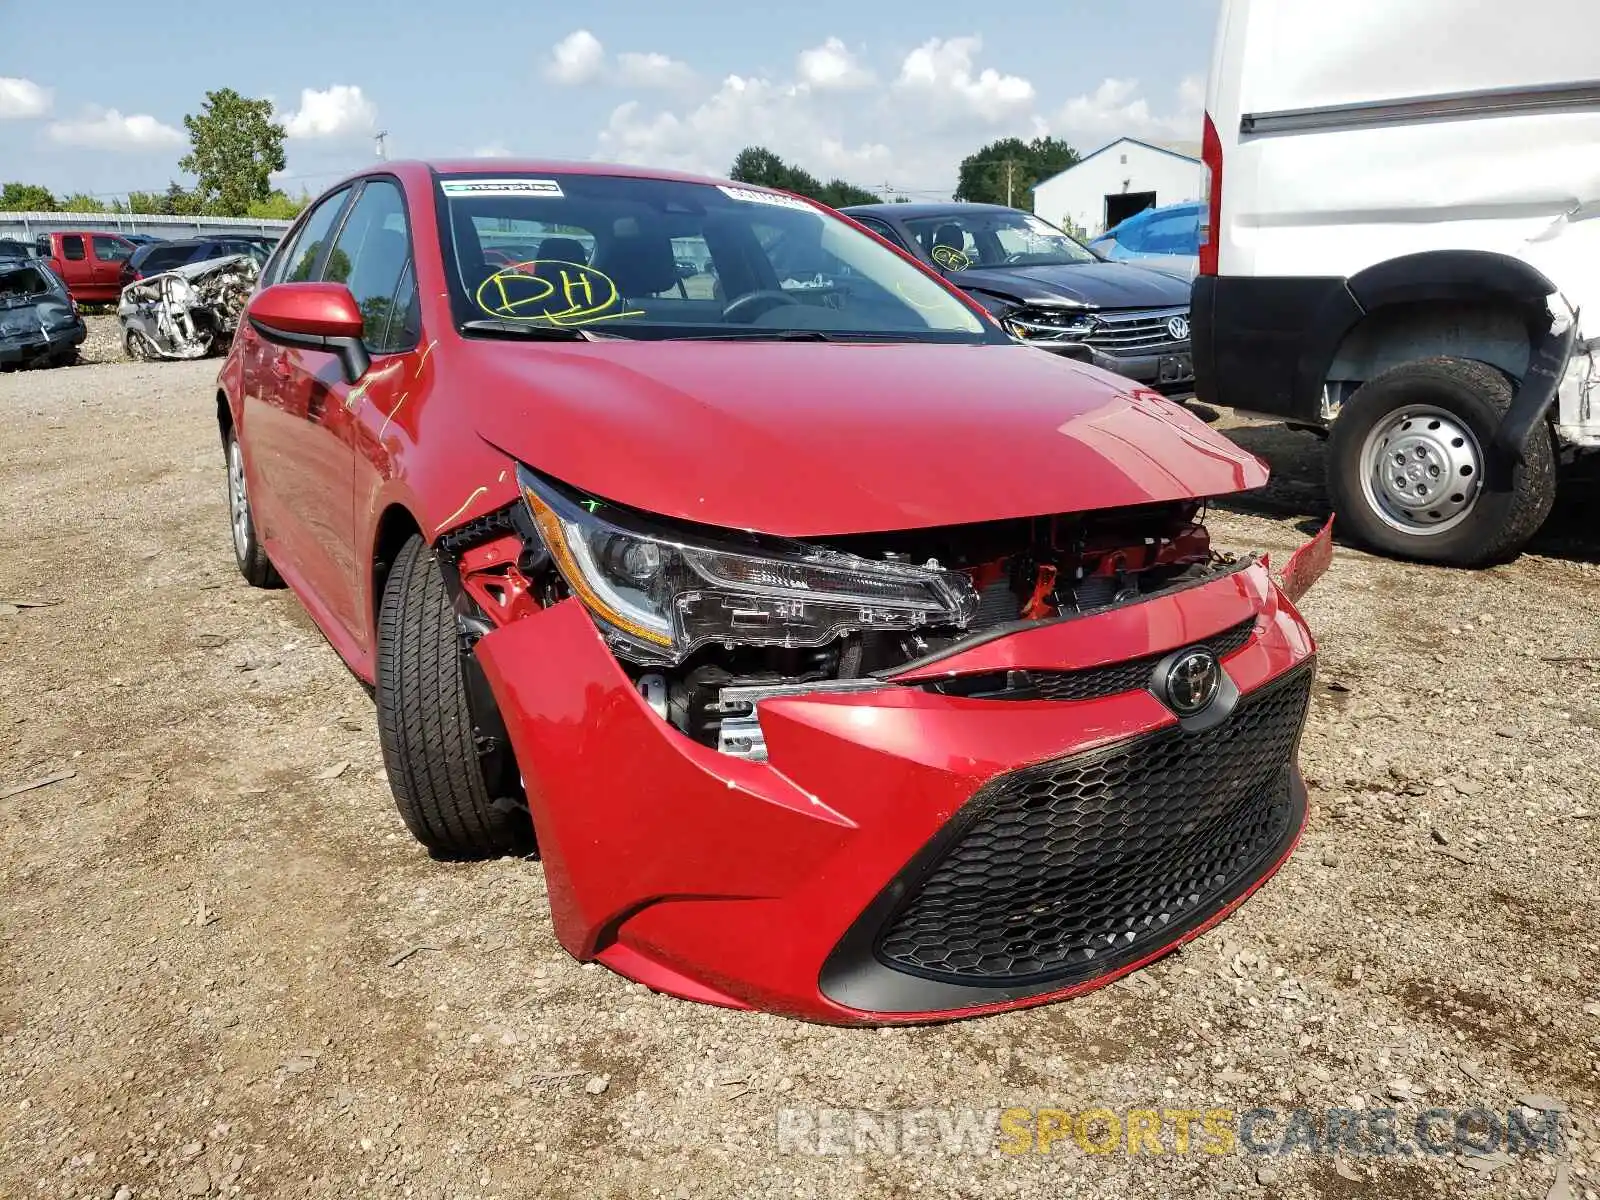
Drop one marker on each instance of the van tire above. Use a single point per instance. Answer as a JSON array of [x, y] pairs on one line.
[[426, 724], [1496, 523]]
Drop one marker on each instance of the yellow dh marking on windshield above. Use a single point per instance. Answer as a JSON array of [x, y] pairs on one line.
[[950, 258], [562, 293]]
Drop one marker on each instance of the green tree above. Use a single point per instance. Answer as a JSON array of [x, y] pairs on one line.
[[82, 202], [176, 201], [236, 146], [279, 206], [27, 197], [179, 201], [836, 193], [760, 166], [1005, 171]]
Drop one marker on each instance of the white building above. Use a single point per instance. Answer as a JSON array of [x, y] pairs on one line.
[[1117, 181]]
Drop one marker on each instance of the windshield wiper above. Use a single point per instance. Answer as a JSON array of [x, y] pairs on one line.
[[533, 332], [806, 335], [764, 335]]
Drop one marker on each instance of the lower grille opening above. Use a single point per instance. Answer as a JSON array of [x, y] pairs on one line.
[[1063, 871]]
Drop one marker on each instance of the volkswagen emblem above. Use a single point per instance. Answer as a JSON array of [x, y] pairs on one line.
[[1178, 327], [1192, 682]]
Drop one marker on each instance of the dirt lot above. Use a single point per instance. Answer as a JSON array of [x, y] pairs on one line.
[[201, 988]]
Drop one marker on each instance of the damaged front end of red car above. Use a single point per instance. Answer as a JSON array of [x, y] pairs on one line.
[[890, 777]]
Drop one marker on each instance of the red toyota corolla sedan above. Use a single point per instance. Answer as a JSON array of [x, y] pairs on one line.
[[840, 656]]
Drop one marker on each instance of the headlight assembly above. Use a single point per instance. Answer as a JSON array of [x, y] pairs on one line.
[[659, 593]]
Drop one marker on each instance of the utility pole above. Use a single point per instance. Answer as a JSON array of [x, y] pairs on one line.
[[383, 151], [1010, 164]]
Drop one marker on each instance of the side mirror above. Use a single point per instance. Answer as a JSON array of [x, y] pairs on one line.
[[313, 316]]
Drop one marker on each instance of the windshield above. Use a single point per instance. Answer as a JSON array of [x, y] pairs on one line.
[[959, 241], [653, 258]]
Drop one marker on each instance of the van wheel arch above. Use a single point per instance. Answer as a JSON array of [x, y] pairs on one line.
[[1388, 291]]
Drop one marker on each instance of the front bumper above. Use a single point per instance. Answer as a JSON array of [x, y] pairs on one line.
[[840, 881], [23, 349], [1171, 368]]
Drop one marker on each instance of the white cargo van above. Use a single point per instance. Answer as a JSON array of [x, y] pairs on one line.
[[1402, 250]]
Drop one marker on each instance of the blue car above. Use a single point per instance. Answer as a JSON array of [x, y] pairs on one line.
[[1164, 239]]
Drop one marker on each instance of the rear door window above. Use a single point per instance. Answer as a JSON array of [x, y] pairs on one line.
[[108, 249], [72, 248]]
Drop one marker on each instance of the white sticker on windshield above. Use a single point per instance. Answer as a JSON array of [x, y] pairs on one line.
[[501, 187], [751, 196]]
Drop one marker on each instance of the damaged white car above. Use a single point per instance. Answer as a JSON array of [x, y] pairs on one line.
[[188, 312]]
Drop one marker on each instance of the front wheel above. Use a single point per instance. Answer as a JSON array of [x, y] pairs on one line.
[[1407, 466], [451, 771]]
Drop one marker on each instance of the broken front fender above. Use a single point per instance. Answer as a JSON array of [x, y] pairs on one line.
[[1307, 564]]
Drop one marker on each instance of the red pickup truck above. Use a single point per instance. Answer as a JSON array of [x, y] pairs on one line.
[[89, 260]]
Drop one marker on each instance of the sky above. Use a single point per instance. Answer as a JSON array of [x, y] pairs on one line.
[[889, 97]]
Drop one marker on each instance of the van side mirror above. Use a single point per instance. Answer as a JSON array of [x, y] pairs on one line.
[[313, 316]]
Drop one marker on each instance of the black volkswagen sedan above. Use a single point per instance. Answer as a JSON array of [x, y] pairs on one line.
[[1047, 289]]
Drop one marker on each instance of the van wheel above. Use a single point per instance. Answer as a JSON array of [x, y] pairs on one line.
[[248, 552], [1406, 466], [453, 776]]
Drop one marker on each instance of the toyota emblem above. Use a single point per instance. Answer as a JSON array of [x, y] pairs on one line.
[[1192, 682], [1178, 327]]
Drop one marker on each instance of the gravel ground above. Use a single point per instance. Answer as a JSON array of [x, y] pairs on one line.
[[201, 983], [104, 343]]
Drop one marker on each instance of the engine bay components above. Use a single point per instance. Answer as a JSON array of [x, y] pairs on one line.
[[708, 623], [188, 312]]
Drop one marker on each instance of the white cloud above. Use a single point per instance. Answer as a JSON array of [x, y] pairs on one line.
[[653, 70], [577, 58], [22, 98], [908, 123], [832, 66], [580, 58], [741, 112], [340, 111], [108, 129], [942, 69], [492, 150], [1117, 109]]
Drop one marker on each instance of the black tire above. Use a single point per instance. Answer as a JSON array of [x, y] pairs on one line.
[[132, 345], [431, 741], [248, 552], [1497, 523]]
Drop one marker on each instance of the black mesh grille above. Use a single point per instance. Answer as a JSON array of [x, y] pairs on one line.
[[1123, 676], [1068, 869]]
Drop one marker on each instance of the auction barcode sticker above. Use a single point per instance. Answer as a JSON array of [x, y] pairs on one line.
[[752, 196], [501, 187]]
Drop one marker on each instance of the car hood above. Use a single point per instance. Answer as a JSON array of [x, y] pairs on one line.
[[1099, 284], [809, 439]]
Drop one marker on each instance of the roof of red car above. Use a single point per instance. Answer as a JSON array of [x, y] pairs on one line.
[[545, 166]]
